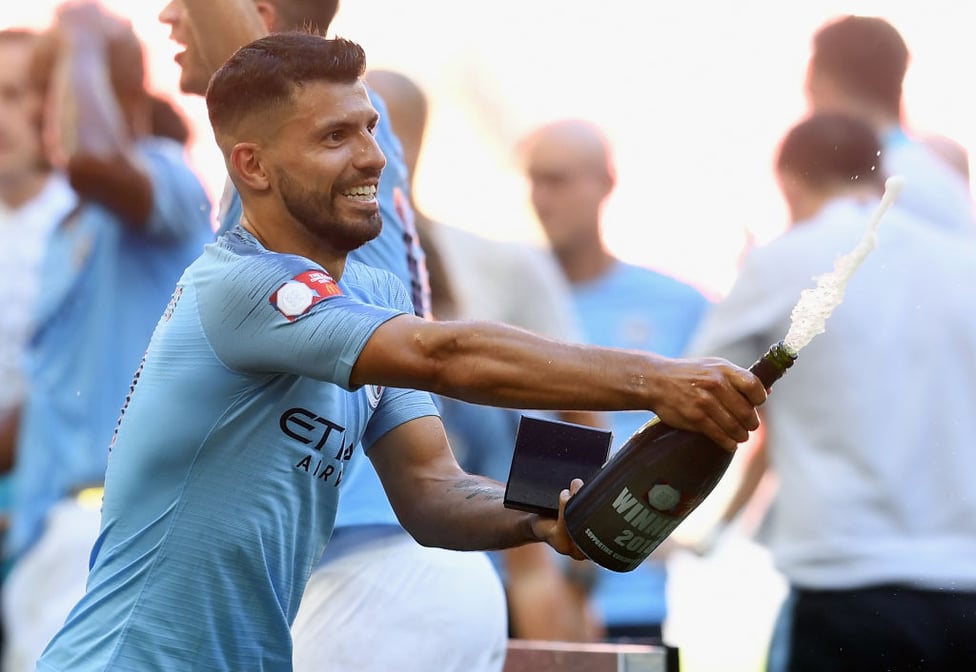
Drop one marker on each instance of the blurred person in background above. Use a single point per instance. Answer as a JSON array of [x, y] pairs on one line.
[[954, 154], [873, 523], [857, 66], [571, 175], [33, 199], [167, 121], [107, 271], [479, 278]]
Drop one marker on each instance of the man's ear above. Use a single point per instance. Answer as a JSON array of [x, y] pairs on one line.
[[245, 160], [268, 14]]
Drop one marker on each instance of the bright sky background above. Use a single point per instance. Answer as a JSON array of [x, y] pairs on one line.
[[693, 95]]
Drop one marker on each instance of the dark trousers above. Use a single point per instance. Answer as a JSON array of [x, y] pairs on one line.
[[877, 629]]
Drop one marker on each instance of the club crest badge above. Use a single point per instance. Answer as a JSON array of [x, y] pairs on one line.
[[373, 394]]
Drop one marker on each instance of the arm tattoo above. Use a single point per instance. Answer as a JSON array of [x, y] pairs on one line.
[[472, 488]]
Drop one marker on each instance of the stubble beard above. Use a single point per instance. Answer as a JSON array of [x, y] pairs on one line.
[[316, 213]]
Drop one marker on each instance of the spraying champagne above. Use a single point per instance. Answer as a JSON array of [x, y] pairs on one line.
[[661, 474]]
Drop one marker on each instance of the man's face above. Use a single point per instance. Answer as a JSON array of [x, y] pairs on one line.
[[195, 72], [20, 103], [325, 165], [567, 191]]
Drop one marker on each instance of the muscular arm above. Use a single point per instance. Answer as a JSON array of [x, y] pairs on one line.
[[495, 364], [441, 505]]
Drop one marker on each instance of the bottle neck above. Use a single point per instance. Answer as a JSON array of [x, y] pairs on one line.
[[770, 367]]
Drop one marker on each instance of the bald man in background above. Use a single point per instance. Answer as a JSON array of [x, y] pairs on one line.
[[571, 175], [475, 277]]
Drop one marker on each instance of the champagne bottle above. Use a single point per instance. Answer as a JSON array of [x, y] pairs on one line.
[[648, 487]]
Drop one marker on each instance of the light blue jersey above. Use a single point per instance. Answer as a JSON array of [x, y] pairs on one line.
[[932, 190], [636, 308], [396, 249], [224, 475], [102, 287], [640, 309]]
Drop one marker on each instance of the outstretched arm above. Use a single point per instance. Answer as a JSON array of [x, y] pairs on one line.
[[442, 505], [499, 365]]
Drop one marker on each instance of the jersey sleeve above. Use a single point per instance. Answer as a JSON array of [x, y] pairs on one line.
[[181, 207], [397, 406], [266, 318], [394, 293]]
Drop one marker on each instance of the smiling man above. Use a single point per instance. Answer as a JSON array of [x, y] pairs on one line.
[[219, 497]]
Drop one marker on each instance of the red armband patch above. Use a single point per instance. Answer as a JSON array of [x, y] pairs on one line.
[[298, 295]]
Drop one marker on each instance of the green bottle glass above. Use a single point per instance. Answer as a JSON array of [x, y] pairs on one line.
[[649, 486]]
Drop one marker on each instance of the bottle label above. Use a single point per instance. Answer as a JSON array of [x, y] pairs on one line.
[[663, 497], [641, 529], [643, 518]]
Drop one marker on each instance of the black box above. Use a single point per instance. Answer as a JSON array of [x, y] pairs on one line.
[[548, 455]]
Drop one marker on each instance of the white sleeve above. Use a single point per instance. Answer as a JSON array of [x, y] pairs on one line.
[[753, 316]]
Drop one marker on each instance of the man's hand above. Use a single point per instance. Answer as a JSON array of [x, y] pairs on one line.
[[708, 395], [85, 24], [554, 532]]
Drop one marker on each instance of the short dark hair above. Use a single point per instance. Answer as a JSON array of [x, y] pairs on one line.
[[865, 55], [313, 16], [262, 75], [827, 149]]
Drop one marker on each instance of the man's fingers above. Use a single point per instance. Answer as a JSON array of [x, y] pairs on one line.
[[723, 437], [752, 388], [734, 424], [567, 546]]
